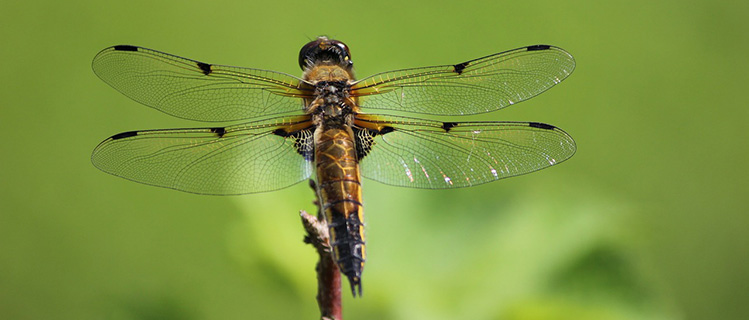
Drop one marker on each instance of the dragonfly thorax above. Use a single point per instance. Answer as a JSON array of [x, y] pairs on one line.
[[333, 91], [333, 104]]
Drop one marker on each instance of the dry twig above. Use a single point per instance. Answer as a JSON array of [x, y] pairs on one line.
[[328, 276]]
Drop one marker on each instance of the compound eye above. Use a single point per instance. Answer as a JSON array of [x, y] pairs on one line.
[[306, 51], [323, 49], [344, 48]]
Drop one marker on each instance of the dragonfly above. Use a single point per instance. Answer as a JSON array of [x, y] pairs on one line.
[[287, 128]]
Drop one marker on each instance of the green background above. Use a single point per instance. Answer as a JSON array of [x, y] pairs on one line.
[[647, 221]]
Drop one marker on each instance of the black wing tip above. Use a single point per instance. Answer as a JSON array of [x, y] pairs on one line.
[[123, 135], [541, 125], [205, 67], [220, 132], [539, 47], [448, 125], [125, 47], [458, 68]]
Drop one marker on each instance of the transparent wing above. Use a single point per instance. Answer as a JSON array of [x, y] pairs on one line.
[[247, 158], [429, 154], [482, 85], [195, 90]]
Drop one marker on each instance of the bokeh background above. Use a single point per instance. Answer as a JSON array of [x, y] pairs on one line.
[[647, 221]]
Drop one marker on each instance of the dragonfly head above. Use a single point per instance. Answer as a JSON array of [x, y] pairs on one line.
[[324, 50]]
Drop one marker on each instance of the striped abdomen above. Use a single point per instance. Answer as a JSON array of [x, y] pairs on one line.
[[339, 188]]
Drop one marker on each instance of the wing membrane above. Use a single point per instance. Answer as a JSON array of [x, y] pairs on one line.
[[245, 158], [439, 155], [195, 90], [481, 85]]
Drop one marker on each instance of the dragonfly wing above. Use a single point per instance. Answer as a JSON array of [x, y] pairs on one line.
[[430, 154], [195, 90], [246, 158], [481, 85]]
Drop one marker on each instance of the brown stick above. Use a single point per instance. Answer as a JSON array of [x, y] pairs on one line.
[[328, 276]]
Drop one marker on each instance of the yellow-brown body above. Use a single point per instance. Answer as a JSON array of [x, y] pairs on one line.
[[339, 189]]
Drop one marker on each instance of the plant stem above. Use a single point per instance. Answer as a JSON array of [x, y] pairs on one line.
[[328, 276]]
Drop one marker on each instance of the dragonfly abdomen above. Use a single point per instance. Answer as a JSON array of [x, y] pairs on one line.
[[339, 187]]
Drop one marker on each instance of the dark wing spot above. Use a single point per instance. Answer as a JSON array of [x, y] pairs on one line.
[[124, 135], [219, 131], [541, 125], [448, 125], [385, 130], [364, 139], [281, 132], [539, 47], [302, 140], [125, 48], [206, 68], [459, 67]]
